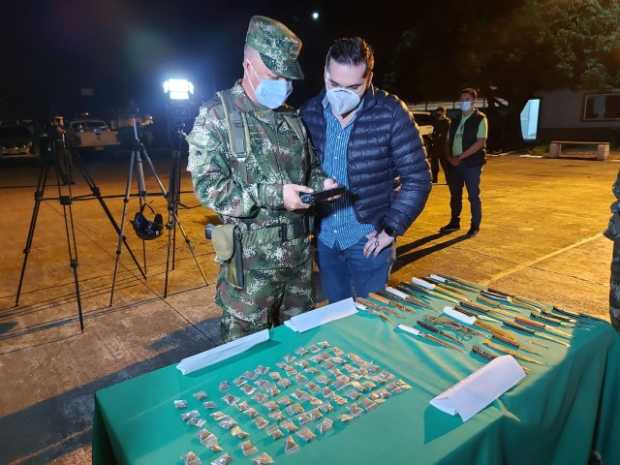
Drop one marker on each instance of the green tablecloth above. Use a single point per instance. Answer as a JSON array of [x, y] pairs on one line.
[[554, 416]]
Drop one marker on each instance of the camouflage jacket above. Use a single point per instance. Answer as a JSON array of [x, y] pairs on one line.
[[250, 190]]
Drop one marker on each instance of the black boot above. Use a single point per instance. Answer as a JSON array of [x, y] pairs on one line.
[[473, 230], [453, 225]]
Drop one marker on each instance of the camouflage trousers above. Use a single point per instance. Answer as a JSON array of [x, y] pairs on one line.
[[614, 287], [270, 297]]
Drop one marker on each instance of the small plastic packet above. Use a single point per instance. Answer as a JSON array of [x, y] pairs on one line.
[[326, 391], [306, 434], [313, 387], [337, 360], [350, 368], [250, 374], [384, 393], [251, 412], [273, 390], [242, 406], [263, 459], [302, 363], [289, 359], [240, 381], [323, 344], [284, 383], [218, 416], [275, 375], [210, 441], [200, 395], [358, 386], [326, 407], [187, 416], [355, 410], [209, 405], [375, 396], [300, 395], [238, 433], [369, 385], [274, 432], [315, 401], [335, 372], [337, 351], [355, 376], [301, 379], [301, 351], [289, 426], [322, 379], [230, 400], [248, 389], [352, 394], [339, 399], [261, 370], [191, 459], [345, 418], [180, 404], [276, 415], [197, 422], [304, 418], [403, 385], [248, 448], [314, 348], [290, 446], [281, 365], [260, 397], [294, 409], [224, 386], [223, 459], [284, 400], [327, 364], [228, 423], [311, 371], [355, 358], [315, 414], [369, 404], [260, 422], [325, 425], [290, 371], [271, 405], [341, 381]]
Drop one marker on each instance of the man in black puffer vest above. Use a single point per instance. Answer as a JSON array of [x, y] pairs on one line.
[[367, 141], [466, 157]]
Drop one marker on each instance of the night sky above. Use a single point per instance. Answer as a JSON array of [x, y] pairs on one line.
[[125, 49]]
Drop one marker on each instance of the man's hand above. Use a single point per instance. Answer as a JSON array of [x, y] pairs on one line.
[[290, 195], [454, 161], [330, 183], [376, 243]]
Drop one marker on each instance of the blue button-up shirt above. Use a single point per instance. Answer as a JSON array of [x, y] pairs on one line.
[[341, 228]]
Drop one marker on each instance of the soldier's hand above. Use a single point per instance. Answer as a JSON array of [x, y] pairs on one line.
[[290, 195]]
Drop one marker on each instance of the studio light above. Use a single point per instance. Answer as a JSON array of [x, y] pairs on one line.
[[178, 89]]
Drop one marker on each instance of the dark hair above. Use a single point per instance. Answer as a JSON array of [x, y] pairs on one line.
[[471, 91], [352, 51], [441, 109]]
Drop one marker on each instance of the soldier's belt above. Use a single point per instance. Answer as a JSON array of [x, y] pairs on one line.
[[278, 232]]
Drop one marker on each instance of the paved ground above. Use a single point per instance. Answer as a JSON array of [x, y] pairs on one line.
[[541, 237]]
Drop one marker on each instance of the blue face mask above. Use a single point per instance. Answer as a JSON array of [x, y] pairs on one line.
[[342, 101], [271, 93]]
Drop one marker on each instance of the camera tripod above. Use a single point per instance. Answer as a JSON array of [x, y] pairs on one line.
[[62, 168], [139, 155]]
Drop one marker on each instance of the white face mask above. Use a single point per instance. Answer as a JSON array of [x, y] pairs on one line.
[[271, 93], [466, 105], [342, 101]]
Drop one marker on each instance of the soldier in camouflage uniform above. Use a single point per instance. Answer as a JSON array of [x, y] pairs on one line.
[[613, 233], [250, 159]]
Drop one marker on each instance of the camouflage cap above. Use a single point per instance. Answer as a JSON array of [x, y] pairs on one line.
[[277, 45]]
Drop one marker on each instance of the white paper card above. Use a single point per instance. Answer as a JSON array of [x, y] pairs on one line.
[[439, 278], [481, 388], [468, 320], [320, 316], [217, 354]]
